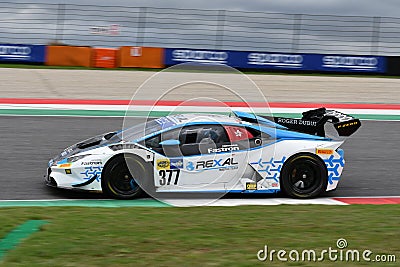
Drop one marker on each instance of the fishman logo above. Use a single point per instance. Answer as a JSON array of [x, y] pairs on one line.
[[224, 148], [201, 56]]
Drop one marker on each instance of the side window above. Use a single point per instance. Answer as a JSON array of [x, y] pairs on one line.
[[245, 137], [154, 142], [202, 139], [196, 140], [188, 136]]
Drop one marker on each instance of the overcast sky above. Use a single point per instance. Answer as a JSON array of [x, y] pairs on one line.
[[346, 7]]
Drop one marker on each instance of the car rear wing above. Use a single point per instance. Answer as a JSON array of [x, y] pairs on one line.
[[313, 122]]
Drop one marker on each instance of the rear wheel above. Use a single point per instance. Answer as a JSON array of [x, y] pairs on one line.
[[304, 176], [122, 177]]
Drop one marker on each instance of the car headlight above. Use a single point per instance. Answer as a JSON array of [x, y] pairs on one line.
[[76, 158]]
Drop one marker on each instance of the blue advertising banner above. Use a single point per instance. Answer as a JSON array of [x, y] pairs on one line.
[[22, 53], [176, 56], [349, 63], [282, 61]]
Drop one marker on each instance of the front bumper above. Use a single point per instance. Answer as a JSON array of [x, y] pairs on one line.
[[83, 174]]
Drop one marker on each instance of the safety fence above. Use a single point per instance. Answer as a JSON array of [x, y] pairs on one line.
[[116, 26]]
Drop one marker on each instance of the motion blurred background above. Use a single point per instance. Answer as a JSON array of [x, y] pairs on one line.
[[223, 25]]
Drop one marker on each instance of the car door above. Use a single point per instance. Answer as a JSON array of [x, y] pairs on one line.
[[205, 160]]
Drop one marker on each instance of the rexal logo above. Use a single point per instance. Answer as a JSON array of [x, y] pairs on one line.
[[15, 51], [277, 60], [350, 62], [201, 56]]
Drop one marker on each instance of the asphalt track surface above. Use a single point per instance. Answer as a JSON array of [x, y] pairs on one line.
[[372, 156]]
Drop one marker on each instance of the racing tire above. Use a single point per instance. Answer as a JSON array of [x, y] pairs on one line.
[[304, 176], [123, 176]]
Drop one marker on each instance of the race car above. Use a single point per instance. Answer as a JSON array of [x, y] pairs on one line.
[[199, 153]]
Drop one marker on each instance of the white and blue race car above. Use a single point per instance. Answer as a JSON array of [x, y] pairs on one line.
[[241, 153]]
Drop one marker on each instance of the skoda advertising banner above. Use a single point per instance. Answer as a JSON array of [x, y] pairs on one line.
[[283, 61], [22, 53]]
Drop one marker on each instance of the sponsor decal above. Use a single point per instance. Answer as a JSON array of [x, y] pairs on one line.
[[176, 163], [221, 164], [296, 122], [64, 165], [92, 162], [190, 166], [276, 60], [251, 186], [350, 62], [68, 171], [91, 172], [201, 56], [224, 148], [163, 164], [324, 151], [343, 125]]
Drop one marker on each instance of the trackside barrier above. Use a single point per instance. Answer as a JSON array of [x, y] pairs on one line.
[[104, 57], [141, 57], [69, 56], [280, 61], [22, 53], [154, 57]]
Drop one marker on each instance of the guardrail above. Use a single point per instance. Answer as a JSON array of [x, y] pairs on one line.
[[115, 26]]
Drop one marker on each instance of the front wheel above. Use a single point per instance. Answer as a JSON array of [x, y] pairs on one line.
[[121, 175], [304, 176]]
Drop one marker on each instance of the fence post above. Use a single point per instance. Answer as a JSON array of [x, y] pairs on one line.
[[219, 35], [60, 23], [376, 25], [297, 20], [141, 26]]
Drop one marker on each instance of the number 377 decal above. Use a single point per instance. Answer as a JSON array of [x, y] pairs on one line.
[[168, 177]]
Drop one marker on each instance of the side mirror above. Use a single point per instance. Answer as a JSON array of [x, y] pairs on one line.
[[170, 142]]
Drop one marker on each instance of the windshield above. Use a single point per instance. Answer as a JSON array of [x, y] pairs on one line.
[[140, 130]]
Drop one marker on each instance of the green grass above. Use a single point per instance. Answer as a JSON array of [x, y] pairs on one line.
[[260, 72], [203, 236]]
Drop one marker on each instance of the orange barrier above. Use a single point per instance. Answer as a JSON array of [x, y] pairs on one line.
[[104, 57], [141, 57], [68, 56]]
